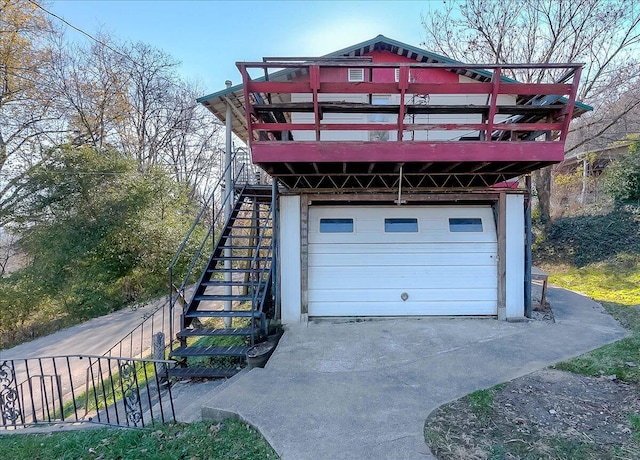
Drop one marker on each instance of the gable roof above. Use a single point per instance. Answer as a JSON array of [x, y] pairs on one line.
[[216, 102]]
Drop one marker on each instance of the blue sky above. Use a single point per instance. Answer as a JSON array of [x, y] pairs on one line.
[[208, 37]]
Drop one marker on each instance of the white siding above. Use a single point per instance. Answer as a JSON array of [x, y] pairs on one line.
[[290, 266], [366, 273], [515, 256]]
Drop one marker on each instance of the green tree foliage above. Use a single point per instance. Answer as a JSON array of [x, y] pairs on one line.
[[622, 177], [99, 234]]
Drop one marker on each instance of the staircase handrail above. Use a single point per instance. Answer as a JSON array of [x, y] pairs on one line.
[[259, 293], [204, 208], [216, 216], [209, 236]]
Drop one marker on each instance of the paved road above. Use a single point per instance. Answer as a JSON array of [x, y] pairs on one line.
[[93, 337]]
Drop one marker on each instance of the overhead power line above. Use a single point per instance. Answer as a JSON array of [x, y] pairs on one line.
[[87, 34]]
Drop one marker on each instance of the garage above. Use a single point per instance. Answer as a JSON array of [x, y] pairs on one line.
[[402, 260]]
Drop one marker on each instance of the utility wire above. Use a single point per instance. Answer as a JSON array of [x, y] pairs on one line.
[[87, 34]]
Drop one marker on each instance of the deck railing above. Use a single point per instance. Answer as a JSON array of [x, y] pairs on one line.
[[538, 108]]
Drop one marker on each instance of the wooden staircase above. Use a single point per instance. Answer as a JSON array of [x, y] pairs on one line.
[[229, 308]]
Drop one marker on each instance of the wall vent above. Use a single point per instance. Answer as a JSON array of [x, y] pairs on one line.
[[356, 74]]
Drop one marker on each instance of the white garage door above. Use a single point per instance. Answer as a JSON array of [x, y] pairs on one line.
[[387, 261]]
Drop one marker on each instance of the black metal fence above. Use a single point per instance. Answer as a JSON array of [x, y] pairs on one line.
[[84, 388], [139, 342]]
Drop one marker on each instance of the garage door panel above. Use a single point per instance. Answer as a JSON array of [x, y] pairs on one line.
[[414, 295], [394, 260], [441, 308], [404, 248], [456, 279], [378, 237], [365, 272]]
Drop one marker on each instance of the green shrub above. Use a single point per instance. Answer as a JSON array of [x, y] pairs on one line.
[[622, 176]]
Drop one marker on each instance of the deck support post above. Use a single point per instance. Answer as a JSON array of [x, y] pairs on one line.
[[275, 240], [527, 248], [502, 257], [228, 190], [304, 255]]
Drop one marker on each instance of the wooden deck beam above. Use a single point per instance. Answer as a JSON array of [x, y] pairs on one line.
[[385, 152]]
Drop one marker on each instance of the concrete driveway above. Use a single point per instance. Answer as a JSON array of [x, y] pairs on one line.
[[363, 390]]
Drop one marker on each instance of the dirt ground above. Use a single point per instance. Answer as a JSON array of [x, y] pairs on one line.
[[547, 414], [550, 414]]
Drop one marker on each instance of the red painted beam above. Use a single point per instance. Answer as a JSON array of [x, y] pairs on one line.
[[408, 151], [407, 127], [364, 87], [495, 81], [276, 87], [413, 88], [535, 88]]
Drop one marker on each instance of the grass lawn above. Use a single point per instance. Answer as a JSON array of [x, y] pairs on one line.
[[616, 285], [202, 440]]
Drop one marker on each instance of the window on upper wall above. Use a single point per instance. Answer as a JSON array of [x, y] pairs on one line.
[[379, 118], [397, 75], [465, 225], [356, 75], [336, 225], [401, 225]]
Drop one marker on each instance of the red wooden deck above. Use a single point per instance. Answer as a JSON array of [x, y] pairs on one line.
[[492, 150]]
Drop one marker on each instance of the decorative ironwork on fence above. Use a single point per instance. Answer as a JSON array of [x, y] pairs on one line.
[[84, 389]]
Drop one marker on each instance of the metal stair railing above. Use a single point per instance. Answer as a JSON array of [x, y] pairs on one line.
[[261, 279], [217, 216], [138, 342]]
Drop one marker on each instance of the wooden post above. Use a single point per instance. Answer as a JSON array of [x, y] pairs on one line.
[[527, 248], [157, 347], [502, 257], [304, 254]]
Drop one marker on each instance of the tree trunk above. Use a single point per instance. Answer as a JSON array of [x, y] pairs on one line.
[[542, 180]]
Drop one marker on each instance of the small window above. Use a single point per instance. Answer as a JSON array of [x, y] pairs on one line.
[[336, 225], [467, 224], [397, 75], [379, 118], [356, 74], [401, 225]]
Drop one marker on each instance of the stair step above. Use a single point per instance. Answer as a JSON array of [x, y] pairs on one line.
[[212, 297], [201, 332], [245, 236], [250, 218], [234, 247], [249, 270], [240, 258], [202, 372], [223, 314], [222, 283], [210, 351], [237, 227]]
